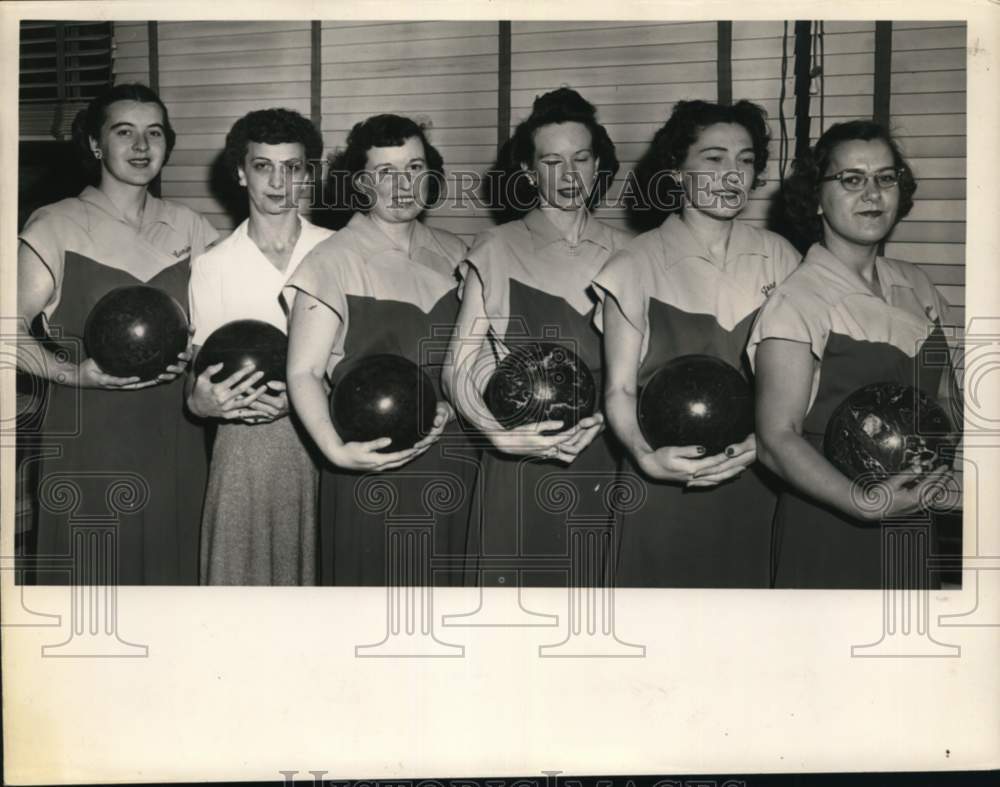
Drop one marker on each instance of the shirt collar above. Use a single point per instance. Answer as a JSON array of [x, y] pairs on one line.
[[544, 232], [376, 242], [308, 229], [154, 211], [681, 242], [830, 263]]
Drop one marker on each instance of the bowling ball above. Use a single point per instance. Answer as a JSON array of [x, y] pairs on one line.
[[887, 428], [541, 381], [384, 396], [696, 400], [136, 332], [240, 342]]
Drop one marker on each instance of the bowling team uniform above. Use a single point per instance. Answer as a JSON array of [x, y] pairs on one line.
[[134, 456], [401, 302], [683, 302], [856, 339], [259, 524], [536, 287]]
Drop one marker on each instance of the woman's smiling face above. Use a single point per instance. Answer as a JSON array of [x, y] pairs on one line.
[[718, 171], [397, 178], [862, 217], [133, 143]]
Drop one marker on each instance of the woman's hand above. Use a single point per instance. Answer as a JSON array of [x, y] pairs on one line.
[[680, 464], [445, 413], [532, 440], [902, 494], [228, 399], [90, 375], [739, 457], [268, 407], [175, 369], [367, 458], [579, 437]]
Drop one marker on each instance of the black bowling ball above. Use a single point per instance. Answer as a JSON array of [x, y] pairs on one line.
[[541, 381], [696, 400], [242, 342], [886, 428], [383, 396], [136, 331]]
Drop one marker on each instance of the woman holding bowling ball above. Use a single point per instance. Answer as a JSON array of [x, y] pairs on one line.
[[693, 286], [112, 430], [845, 319], [384, 284], [259, 523], [529, 280]]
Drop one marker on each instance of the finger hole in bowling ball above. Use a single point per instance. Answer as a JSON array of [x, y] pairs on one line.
[[136, 331]]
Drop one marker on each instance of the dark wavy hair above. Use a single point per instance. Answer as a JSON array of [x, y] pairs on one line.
[[270, 127], [344, 195], [89, 121], [509, 191], [801, 188], [659, 194]]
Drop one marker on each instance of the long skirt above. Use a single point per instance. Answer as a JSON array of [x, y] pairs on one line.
[[259, 525]]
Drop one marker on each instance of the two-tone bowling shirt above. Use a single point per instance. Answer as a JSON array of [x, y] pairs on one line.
[[855, 336], [683, 301]]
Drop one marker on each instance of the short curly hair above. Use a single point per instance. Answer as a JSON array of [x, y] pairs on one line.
[[89, 121], [270, 127], [659, 194], [801, 189], [378, 131]]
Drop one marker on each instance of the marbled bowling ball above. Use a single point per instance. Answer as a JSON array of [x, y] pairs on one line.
[[696, 400], [136, 331], [887, 428], [541, 381], [383, 396], [242, 342]]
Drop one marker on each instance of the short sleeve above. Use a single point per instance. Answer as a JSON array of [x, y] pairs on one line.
[[797, 319], [623, 279], [320, 274], [455, 249], [485, 260], [786, 258], [939, 308], [205, 299], [49, 234], [203, 237]]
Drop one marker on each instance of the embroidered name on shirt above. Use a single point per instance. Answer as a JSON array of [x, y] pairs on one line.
[[768, 288], [182, 252]]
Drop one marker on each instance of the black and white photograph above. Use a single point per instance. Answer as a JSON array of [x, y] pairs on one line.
[[448, 377]]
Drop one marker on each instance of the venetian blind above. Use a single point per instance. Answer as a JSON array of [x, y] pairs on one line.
[[62, 66]]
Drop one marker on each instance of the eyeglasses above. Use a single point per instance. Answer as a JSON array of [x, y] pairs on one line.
[[857, 180]]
